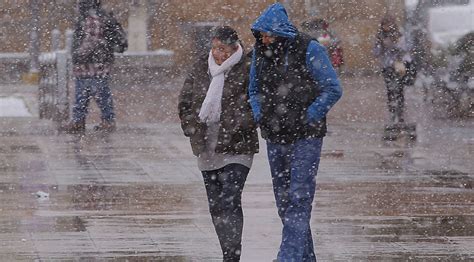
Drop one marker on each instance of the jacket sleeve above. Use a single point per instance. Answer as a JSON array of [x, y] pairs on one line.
[[253, 90], [244, 118], [377, 50], [185, 102], [321, 69]]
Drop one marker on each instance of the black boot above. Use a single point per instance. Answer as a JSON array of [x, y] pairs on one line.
[[74, 127], [105, 126]]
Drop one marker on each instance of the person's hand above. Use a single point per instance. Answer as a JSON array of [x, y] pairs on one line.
[[311, 121], [400, 68]]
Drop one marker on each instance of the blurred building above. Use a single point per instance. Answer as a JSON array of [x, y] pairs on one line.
[[182, 26]]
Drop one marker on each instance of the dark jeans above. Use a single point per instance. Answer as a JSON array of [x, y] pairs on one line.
[[294, 168], [97, 87], [224, 193], [395, 95]]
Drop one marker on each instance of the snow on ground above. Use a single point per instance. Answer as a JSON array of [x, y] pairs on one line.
[[13, 107]]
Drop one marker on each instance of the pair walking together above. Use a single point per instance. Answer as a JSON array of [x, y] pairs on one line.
[[285, 87]]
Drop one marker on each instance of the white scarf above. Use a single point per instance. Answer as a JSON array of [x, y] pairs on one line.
[[211, 107]]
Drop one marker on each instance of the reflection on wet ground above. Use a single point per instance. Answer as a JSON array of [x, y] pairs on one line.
[[136, 195]]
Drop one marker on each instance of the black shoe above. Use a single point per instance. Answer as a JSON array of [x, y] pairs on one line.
[[105, 126], [392, 132], [74, 127]]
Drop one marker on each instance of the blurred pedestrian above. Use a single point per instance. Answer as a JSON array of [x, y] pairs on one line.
[[319, 29], [393, 54], [96, 37], [464, 48], [292, 88], [216, 116]]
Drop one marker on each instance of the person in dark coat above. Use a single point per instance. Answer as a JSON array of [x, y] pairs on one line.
[[215, 114], [92, 58], [392, 51], [292, 88]]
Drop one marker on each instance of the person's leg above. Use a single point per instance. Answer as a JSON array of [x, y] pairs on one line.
[[82, 96], [279, 160], [297, 244], [213, 191], [309, 255], [104, 99], [224, 190], [392, 88], [230, 224], [400, 101]]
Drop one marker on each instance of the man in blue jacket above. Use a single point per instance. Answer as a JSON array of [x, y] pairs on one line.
[[292, 87]]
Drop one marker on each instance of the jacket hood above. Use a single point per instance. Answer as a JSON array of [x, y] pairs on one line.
[[274, 20]]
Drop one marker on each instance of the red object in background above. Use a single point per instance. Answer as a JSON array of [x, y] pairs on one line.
[[319, 29], [336, 56]]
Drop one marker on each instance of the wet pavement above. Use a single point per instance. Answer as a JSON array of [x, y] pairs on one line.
[[136, 194]]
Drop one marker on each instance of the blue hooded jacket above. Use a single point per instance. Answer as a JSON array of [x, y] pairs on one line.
[[274, 20]]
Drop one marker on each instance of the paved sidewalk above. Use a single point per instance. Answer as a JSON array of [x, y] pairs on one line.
[[136, 195]]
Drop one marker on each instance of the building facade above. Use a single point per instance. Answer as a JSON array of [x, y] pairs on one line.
[[181, 25]]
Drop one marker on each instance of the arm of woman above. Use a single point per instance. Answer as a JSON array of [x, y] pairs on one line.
[[185, 102], [244, 117]]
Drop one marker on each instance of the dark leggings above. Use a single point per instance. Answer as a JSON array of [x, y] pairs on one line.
[[224, 193], [396, 98]]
